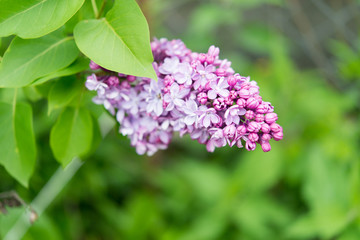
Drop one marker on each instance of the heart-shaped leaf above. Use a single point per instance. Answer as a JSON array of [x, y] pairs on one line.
[[35, 18], [71, 135], [119, 42]]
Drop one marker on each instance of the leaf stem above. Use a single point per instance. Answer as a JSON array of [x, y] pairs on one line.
[[101, 9], [95, 9]]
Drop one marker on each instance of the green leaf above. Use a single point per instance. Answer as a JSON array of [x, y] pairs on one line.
[[35, 18], [26, 60], [71, 135], [119, 42], [17, 141], [81, 64], [63, 91]]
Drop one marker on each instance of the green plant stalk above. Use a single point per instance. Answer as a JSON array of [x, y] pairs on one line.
[[52, 188]]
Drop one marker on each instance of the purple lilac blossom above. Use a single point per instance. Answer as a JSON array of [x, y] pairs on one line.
[[196, 94]]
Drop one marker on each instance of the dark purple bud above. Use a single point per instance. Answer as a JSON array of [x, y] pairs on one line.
[[131, 78], [262, 108], [94, 66]]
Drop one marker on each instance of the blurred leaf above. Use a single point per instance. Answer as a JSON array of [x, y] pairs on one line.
[[9, 219], [35, 18], [71, 136], [119, 42], [17, 141], [27, 60], [43, 229], [63, 92]]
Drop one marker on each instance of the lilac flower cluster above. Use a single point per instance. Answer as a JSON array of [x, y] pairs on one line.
[[196, 93]]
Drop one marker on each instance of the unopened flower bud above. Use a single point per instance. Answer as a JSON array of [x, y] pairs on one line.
[[265, 128], [243, 93], [131, 78], [275, 127], [250, 146], [253, 127], [265, 137], [252, 103], [220, 72], [271, 118], [94, 66], [262, 108], [231, 80], [266, 147], [249, 114], [278, 135], [259, 117], [253, 137], [241, 130], [241, 102]]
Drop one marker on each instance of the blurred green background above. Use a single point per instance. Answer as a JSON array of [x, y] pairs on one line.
[[305, 56]]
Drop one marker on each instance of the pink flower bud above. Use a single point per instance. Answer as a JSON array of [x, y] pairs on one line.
[[259, 117], [252, 103], [250, 146], [202, 98], [231, 80], [131, 78], [125, 84], [112, 81], [94, 66], [169, 80], [233, 94], [266, 147], [259, 98], [210, 59], [228, 100], [243, 93], [271, 118], [249, 114], [253, 127], [202, 57], [266, 137], [241, 130], [253, 137], [241, 102], [220, 72], [262, 108], [278, 135], [265, 128], [275, 127]]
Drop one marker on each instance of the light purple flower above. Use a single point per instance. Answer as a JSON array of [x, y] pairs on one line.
[[217, 139], [154, 99], [94, 85], [175, 96], [183, 74], [233, 113], [203, 75], [218, 88], [169, 66], [209, 117]]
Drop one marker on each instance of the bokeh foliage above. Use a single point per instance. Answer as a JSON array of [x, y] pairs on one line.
[[306, 187]]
